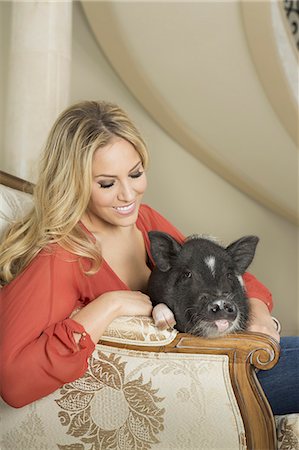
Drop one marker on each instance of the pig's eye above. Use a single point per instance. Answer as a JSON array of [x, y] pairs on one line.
[[187, 274], [184, 276], [230, 276]]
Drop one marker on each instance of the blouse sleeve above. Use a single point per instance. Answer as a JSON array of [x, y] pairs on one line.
[[255, 289], [38, 350]]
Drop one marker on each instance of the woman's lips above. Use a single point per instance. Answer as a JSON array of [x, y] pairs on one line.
[[126, 209]]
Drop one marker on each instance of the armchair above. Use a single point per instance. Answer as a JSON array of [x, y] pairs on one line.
[[151, 389]]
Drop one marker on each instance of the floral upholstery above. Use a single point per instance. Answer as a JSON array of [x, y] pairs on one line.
[[134, 400], [134, 397], [287, 432], [134, 330]]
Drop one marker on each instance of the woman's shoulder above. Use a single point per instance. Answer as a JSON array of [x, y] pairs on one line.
[[153, 220], [55, 250], [51, 260], [149, 215]]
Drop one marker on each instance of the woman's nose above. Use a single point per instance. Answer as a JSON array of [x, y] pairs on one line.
[[126, 192]]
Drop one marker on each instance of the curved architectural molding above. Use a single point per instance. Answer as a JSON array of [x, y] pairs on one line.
[[108, 28], [274, 57]]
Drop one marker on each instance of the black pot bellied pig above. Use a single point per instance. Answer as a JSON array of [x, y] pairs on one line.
[[201, 283]]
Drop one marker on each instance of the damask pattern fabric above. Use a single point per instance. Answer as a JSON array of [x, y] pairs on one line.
[[287, 432], [139, 400], [137, 331], [134, 400]]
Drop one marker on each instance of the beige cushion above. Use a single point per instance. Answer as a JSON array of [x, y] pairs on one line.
[[13, 204]]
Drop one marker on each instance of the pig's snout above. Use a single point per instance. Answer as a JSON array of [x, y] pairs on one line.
[[219, 309]]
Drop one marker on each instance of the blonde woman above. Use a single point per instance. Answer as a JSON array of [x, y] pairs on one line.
[[81, 257]]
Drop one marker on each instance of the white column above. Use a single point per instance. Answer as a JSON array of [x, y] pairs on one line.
[[38, 80]]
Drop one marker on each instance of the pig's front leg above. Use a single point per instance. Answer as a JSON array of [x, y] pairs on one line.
[[163, 316]]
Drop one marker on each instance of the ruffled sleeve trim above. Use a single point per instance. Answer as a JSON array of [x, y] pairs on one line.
[[65, 330]]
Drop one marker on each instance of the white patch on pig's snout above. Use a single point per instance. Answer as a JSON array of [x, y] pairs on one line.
[[210, 262]]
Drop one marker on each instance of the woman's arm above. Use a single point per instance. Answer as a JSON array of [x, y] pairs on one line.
[[41, 347], [255, 289], [38, 350], [261, 319], [97, 315], [261, 305]]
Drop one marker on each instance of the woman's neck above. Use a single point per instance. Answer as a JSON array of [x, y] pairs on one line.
[[102, 230]]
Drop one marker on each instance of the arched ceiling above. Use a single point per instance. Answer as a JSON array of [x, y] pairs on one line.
[[202, 76]]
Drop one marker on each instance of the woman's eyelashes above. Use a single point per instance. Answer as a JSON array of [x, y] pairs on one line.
[[136, 174], [108, 184]]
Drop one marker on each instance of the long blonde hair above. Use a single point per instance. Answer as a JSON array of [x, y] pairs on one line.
[[63, 190]]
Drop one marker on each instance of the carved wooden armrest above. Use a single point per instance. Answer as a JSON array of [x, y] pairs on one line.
[[246, 353]]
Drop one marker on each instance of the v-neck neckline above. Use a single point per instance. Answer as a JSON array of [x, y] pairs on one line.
[[145, 237]]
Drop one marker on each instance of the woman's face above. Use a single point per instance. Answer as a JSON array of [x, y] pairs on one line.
[[119, 182]]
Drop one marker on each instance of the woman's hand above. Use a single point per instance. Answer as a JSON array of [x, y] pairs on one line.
[[127, 303], [98, 314], [261, 319]]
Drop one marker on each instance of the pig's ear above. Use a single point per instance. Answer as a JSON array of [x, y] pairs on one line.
[[242, 252], [163, 249]]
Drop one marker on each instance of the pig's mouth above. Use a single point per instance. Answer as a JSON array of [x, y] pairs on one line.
[[222, 325], [213, 329], [223, 317]]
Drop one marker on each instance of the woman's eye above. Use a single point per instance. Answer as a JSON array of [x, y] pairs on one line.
[[136, 174], [106, 185]]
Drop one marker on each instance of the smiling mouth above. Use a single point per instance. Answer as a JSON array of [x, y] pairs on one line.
[[127, 209]]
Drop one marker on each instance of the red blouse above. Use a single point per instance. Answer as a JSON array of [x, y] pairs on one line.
[[38, 350]]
